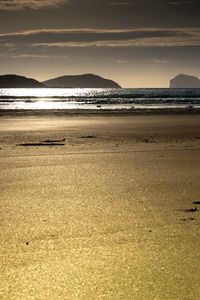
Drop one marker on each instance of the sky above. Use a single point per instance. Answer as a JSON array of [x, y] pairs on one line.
[[137, 43]]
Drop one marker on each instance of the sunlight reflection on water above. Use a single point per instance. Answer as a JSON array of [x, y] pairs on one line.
[[113, 99], [48, 92]]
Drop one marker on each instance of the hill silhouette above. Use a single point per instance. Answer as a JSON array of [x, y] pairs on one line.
[[185, 81], [16, 81], [81, 81]]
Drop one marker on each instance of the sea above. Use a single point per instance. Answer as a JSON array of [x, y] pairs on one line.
[[97, 99]]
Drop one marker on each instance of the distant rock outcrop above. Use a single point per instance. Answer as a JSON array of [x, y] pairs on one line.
[[185, 81], [81, 81], [16, 81]]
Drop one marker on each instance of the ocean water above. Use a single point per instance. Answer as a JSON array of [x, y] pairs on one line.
[[100, 99]]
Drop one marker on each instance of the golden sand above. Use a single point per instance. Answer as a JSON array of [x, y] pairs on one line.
[[104, 216]]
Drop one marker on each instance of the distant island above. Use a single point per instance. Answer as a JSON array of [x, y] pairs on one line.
[[185, 81], [81, 81], [71, 81], [16, 81]]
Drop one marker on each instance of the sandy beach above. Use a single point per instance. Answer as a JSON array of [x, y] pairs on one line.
[[100, 207]]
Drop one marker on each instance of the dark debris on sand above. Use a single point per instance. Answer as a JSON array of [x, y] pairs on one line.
[[44, 143], [88, 137], [193, 209], [196, 202]]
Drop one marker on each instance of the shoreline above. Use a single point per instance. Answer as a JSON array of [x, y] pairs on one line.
[[99, 112]]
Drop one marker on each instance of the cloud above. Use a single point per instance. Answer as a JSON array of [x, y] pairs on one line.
[[30, 56], [161, 61], [16, 5], [29, 4], [186, 2], [120, 3], [61, 43], [80, 38], [38, 4], [119, 61], [102, 2], [89, 36]]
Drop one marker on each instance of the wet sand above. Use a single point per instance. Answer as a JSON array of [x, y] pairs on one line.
[[100, 207]]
